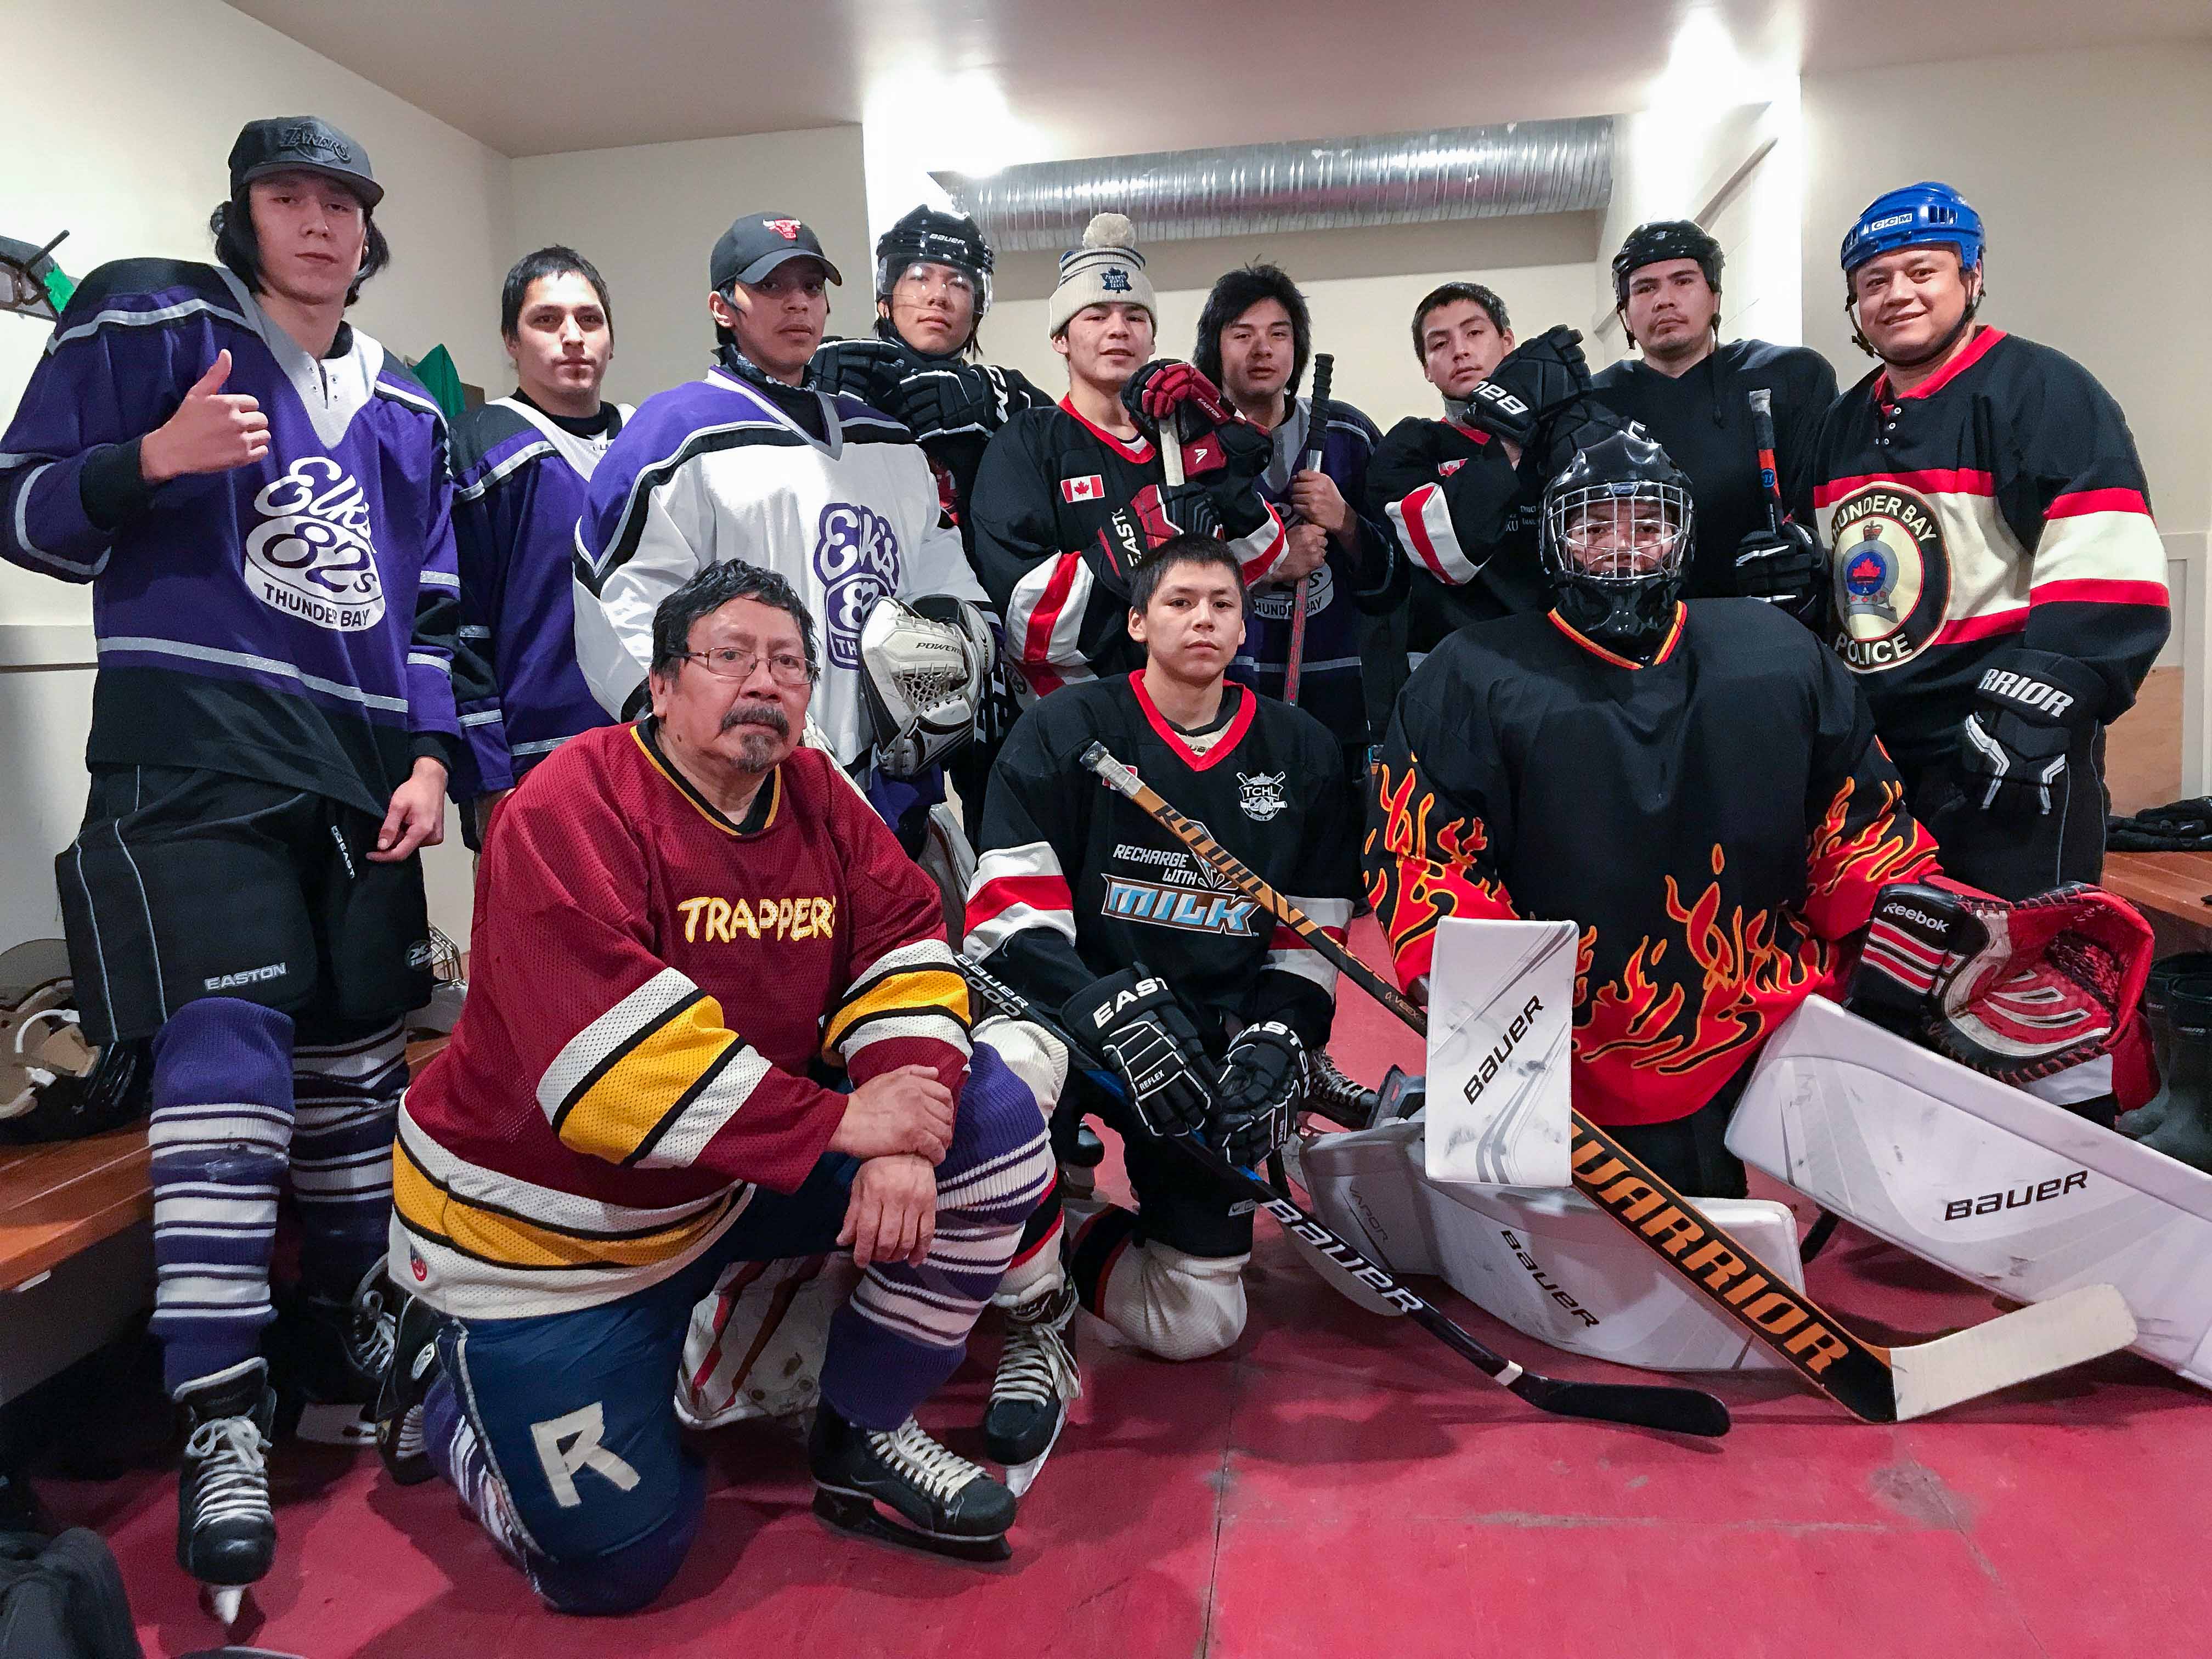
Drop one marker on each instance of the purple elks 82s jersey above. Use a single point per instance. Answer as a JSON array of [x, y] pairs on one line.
[[291, 620]]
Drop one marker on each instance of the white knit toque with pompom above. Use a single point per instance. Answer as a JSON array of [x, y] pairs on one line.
[[1105, 270]]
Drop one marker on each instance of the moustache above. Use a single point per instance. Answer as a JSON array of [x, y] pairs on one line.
[[757, 714]]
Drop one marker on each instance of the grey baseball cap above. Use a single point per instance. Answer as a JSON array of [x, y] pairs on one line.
[[284, 142], [758, 243]]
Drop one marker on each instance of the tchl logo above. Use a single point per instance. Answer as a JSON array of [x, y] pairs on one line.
[[1261, 796]]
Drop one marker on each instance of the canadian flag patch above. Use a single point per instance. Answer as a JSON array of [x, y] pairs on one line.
[[1445, 469], [1089, 487]]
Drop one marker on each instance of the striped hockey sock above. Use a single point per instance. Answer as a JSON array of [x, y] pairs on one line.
[[347, 1101], [221, 1132]]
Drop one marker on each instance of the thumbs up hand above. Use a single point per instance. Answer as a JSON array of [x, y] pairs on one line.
[[212, 431]]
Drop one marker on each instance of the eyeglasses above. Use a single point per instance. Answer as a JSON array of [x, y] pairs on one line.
[[726, 662]]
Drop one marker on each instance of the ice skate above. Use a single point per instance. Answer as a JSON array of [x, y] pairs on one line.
[[332, 1356], [225, 1535], [1036, 1380], [407, 1379], [1335, 1096], [942, 1504], [2182, 1129]]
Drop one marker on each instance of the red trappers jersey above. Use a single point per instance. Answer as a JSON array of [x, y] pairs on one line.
[[1714, 823], [1998, 505], [1076, 882], [1468, 528], [646, 993], [1047, 485]]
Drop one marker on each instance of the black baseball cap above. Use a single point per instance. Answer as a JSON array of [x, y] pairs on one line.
[[284, 142], [758, 243]]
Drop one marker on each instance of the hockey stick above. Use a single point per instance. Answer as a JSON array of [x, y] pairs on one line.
[[1762, 436], [1876, 1383], [1172, 452], [1641, 1405], [1317, 437]]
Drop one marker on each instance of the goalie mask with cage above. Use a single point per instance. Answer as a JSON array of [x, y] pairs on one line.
[[925, 674], [1617, 526]]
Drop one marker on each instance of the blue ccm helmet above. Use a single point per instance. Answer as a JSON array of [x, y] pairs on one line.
[[1918, 216]]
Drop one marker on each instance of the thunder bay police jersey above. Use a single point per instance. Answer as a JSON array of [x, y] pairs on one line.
[[1048, 483], [291, 620], [520, 477], [1998, 506], [713, 470], [1076, 882]]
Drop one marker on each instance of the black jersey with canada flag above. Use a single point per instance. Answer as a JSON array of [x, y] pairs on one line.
[[1076, 882], [1714, 823], [1046, 490], [1996, 508]]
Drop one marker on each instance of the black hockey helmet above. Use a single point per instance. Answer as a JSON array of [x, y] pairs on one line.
[[927, 236], [1618, 527], [55, 1083], [1664, 239]]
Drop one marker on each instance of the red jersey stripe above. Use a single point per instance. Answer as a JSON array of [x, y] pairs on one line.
[[2081, 502]]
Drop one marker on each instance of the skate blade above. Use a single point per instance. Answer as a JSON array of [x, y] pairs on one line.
[[1021, 1476], [858, 1517], [335, 1424], [225, 1602]]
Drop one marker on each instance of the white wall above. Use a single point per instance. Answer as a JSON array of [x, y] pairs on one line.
[[2093, 175], [123, 114], [649, 216], [1362, 287]]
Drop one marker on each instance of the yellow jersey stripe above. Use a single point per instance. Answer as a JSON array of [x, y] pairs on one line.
[[925, 990], [617, 1108], [493, 1235]]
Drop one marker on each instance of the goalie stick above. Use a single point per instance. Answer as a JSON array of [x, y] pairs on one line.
[[1641, 1405], [1316, 440], [1876, 1383]]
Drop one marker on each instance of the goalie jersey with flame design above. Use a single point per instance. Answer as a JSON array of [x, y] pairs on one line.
[[1715, 822], [1076, 882], [647, 999]]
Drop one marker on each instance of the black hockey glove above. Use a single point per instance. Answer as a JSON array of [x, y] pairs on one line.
[[868, 369], [1786, 566], [1563, 434], [1262, 1079], [1134, 1021], [1910, 937], [1165, 387], [1533, 379], [949, 400], [2028, 708]]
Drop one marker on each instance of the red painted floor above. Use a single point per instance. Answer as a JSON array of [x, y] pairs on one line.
[[1338, 1485]]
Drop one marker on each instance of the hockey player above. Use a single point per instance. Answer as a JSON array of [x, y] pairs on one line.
[[258, 494], [521, 465], [1456, 490], [1254, 337], [1691, 393], [933, 290], [2000, 587], [1714, 770], [1082, 902], [693, 909], [751, 461], [1071, 500]]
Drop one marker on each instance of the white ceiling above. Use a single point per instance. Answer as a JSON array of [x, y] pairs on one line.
[[537, 76]]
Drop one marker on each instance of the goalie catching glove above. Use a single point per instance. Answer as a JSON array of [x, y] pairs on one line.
[[1262, 1079], [1134, 1021], [2028, 708], [2018, 991], [926, 678]]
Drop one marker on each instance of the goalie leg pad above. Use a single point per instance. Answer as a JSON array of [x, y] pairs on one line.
[[1983, 1179]]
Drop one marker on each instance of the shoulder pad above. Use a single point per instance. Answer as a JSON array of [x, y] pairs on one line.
[[483, 431], [147, 292]]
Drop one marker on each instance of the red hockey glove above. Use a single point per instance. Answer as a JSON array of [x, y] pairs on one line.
[[1164, 387]]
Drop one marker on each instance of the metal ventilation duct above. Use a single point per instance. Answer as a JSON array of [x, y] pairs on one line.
[[1402, 178]]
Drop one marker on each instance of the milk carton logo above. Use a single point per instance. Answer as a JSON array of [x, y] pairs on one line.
[[311, 556], [856, 555]]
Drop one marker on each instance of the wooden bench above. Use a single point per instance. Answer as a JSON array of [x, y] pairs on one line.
[[2173, 889]]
